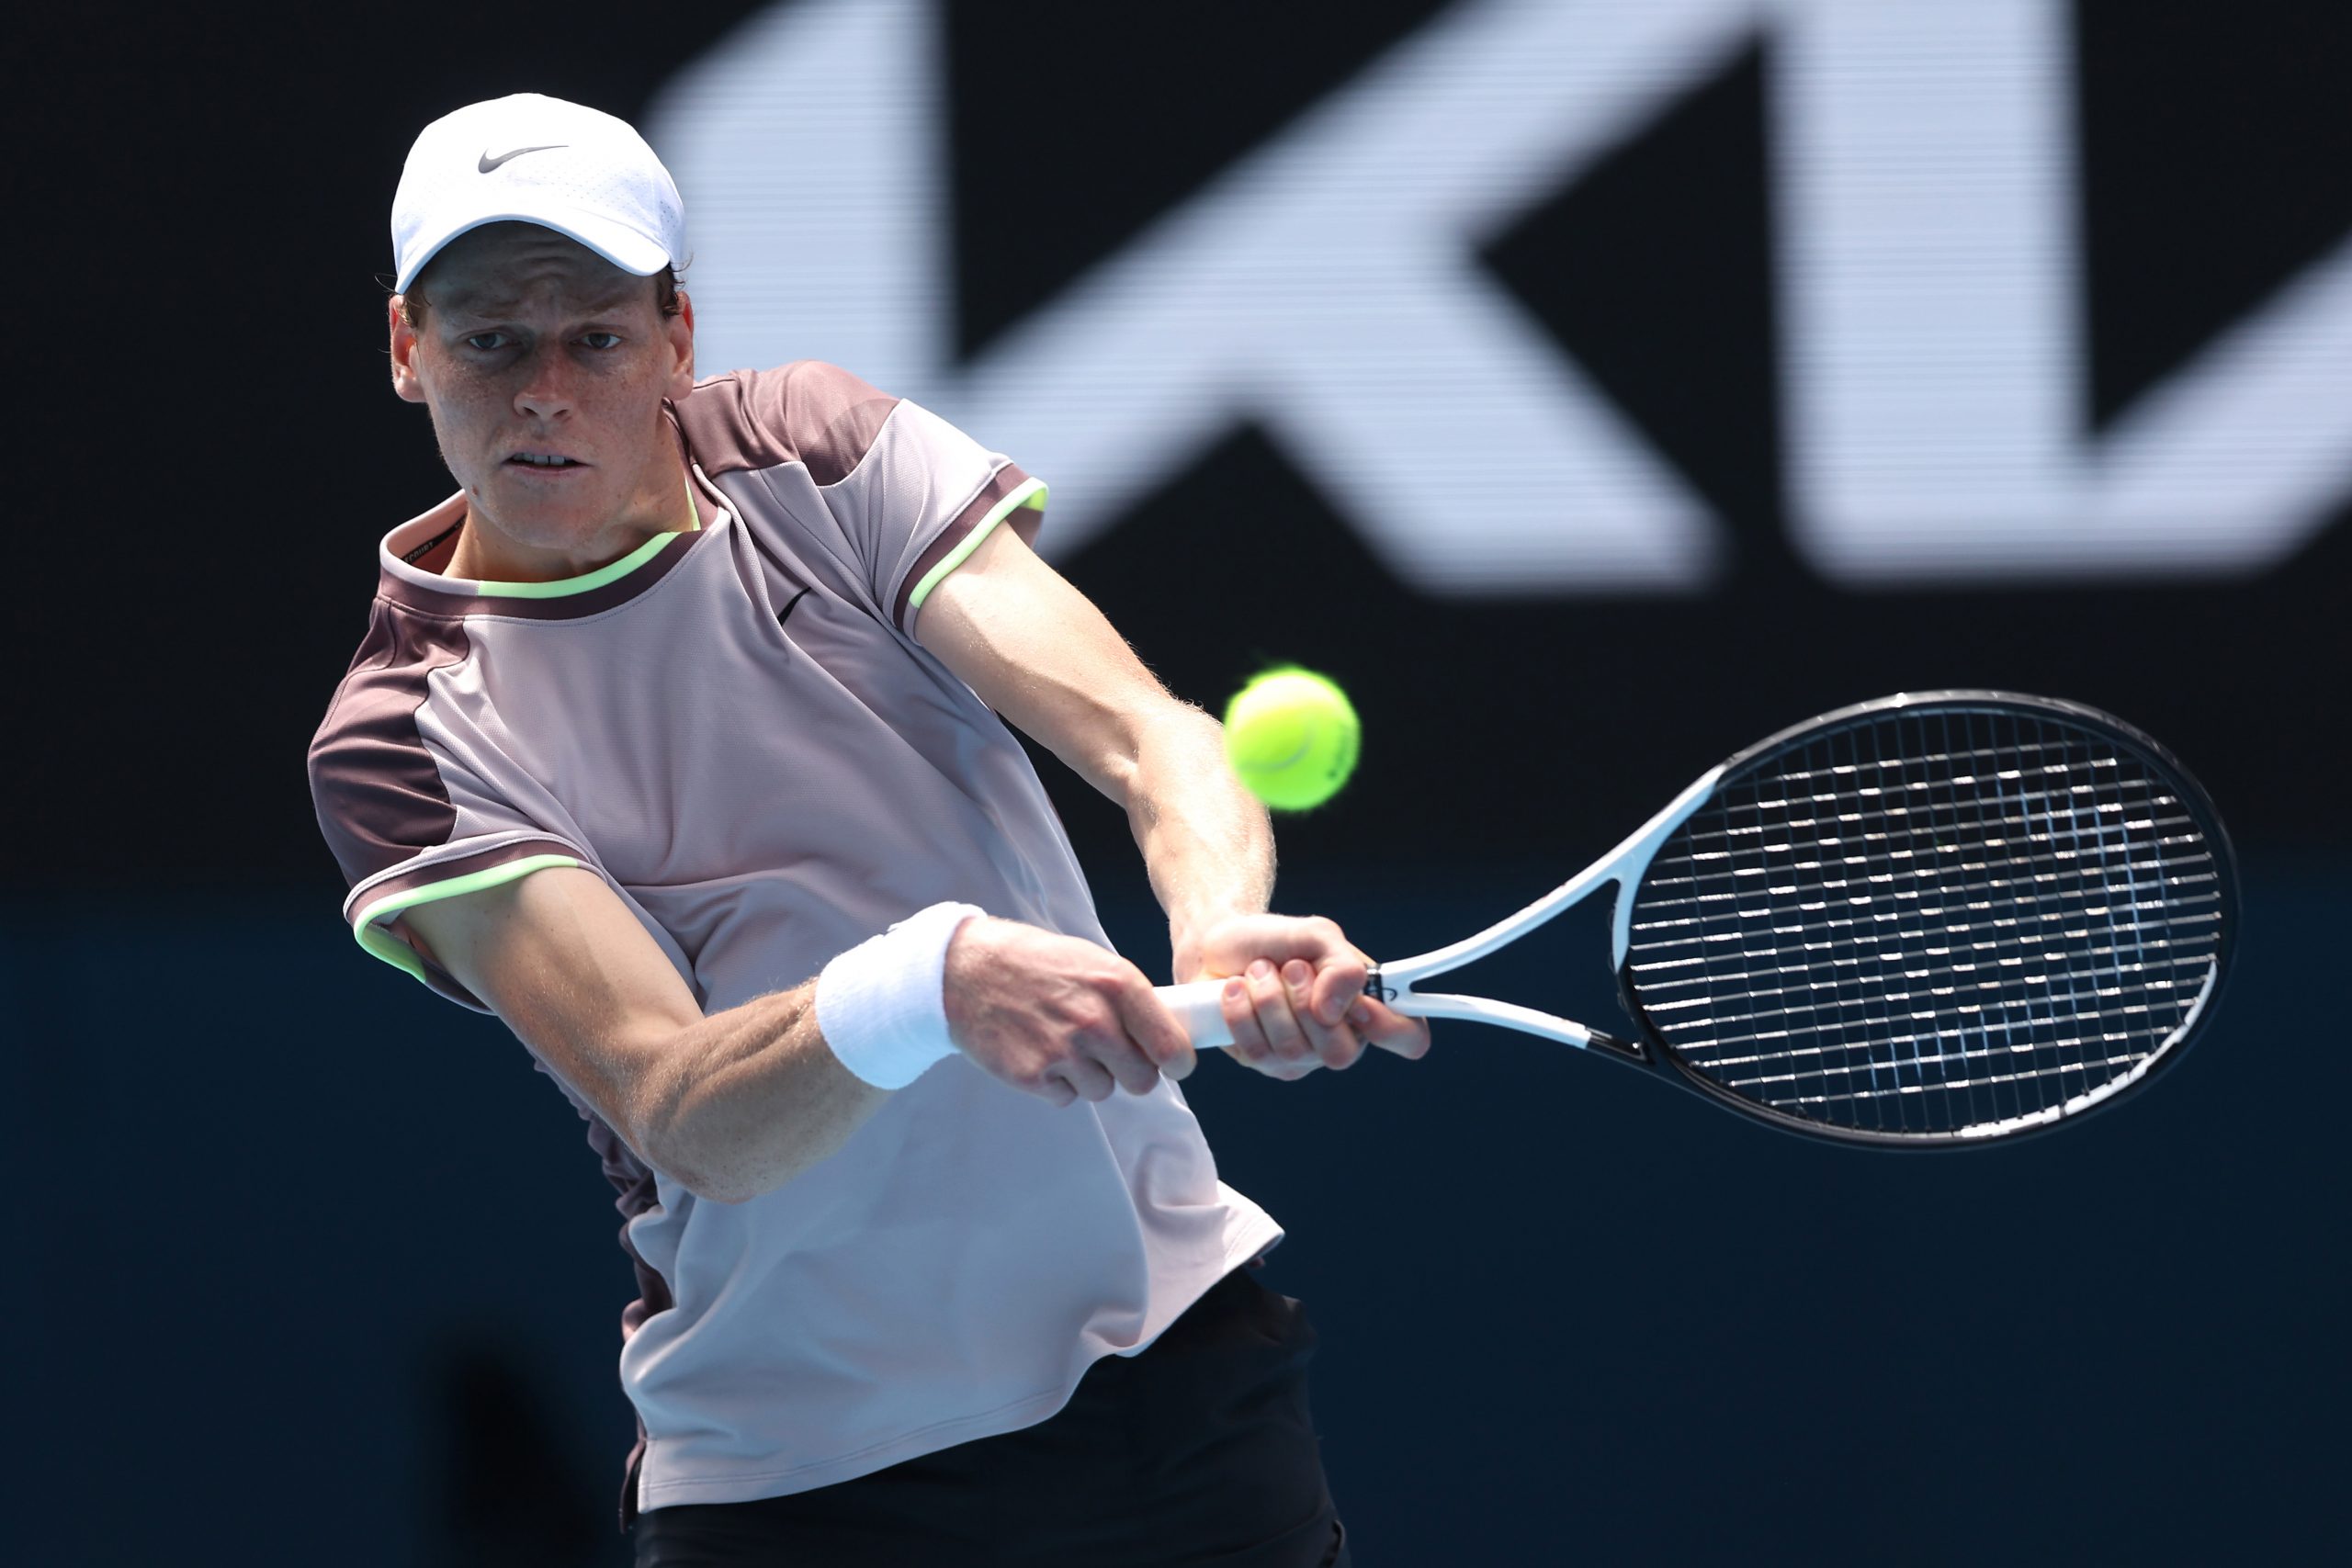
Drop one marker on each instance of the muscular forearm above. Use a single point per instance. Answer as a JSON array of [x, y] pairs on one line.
[[1205, 841], [746, 1100]]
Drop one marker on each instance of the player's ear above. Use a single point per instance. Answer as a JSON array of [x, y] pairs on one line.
[[680, 331], [404, 379]]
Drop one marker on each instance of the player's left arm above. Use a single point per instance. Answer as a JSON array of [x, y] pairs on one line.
[[1039, 653]]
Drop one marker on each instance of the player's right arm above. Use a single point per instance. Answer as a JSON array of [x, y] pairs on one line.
[[738, 1102]]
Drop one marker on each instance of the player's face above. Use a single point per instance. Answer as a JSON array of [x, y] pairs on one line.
[[545, 367]]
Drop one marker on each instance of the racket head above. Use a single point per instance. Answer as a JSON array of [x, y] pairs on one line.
[[1936, 919]]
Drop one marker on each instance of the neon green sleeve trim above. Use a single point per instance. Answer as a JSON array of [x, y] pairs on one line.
[[398, 954], [1030, 493], [564, 588]]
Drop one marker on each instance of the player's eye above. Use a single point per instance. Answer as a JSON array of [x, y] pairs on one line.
[[485, 342], [600, 340]]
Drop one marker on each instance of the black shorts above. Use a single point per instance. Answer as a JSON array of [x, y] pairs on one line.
[[1200, 1451]]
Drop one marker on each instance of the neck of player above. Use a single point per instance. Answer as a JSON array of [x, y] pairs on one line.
[[519, 537]]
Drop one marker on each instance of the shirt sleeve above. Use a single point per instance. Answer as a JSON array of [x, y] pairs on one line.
[[922, 501], [411, 815]]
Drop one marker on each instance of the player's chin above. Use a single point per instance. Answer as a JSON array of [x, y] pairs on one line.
[[550, 512]]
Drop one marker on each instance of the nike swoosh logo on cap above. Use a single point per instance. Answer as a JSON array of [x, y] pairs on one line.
[[489, 162]]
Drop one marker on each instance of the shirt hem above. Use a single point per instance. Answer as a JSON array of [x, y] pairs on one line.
[[1253, 1240], [749, 1486]]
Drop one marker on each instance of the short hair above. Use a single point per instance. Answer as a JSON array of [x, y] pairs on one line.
[[666, 283]]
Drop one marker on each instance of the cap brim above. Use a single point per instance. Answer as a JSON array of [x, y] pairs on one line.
[[616, 243]]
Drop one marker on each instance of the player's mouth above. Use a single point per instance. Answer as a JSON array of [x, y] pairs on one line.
[[544, 463]]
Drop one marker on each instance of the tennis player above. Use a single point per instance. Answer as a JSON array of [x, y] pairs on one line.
[[676, 742]]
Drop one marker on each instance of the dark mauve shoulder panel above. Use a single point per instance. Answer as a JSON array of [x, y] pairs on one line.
[[807, 412], [378, 794]]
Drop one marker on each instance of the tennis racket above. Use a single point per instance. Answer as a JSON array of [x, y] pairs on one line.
[[1936, 918]]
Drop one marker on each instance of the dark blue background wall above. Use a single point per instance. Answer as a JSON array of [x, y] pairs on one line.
[[315, 1268]]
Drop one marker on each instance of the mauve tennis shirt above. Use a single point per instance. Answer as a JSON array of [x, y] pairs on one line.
[[737, 728]]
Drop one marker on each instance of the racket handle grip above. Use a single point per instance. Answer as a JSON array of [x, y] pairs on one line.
[[1196, 1008]]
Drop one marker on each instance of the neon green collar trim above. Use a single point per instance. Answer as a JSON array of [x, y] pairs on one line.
[[612, 572]]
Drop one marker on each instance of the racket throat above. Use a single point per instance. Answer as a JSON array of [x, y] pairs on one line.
[[1632, 1051], [1505, 1015]]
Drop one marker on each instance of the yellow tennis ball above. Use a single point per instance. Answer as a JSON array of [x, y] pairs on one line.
[[1292, 736]]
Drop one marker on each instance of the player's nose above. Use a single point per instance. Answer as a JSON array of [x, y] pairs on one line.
[[545, 389]]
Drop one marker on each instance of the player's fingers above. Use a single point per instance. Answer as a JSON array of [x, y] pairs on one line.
[[1281, 1071], [1385, 1027], [1124, 1058], [1276, 939], [1339, 980], [1128, 1064], [1269, 998], [1249, 1046], [1159, 1040], [1089, 1078], [1241, 1021], [1334, 1044]]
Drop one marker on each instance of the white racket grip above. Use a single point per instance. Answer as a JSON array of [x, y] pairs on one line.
[[1197, 1009]]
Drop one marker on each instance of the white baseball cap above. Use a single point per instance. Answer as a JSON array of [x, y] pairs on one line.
[[532, 159]]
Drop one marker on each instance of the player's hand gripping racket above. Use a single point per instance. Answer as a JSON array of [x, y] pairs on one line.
[[1933, 919]]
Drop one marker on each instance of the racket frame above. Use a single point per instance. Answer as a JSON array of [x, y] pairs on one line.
[[1656, 1051], [1197, 1007], [1399, 982], [1624, 867]]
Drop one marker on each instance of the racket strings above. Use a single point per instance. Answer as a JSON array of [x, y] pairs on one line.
[[1930, 922], [1778, 1003], [2055, 885], [2008, 827], [2008, 945]]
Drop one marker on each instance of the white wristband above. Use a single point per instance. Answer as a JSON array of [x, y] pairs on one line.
[[882, 1006]]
